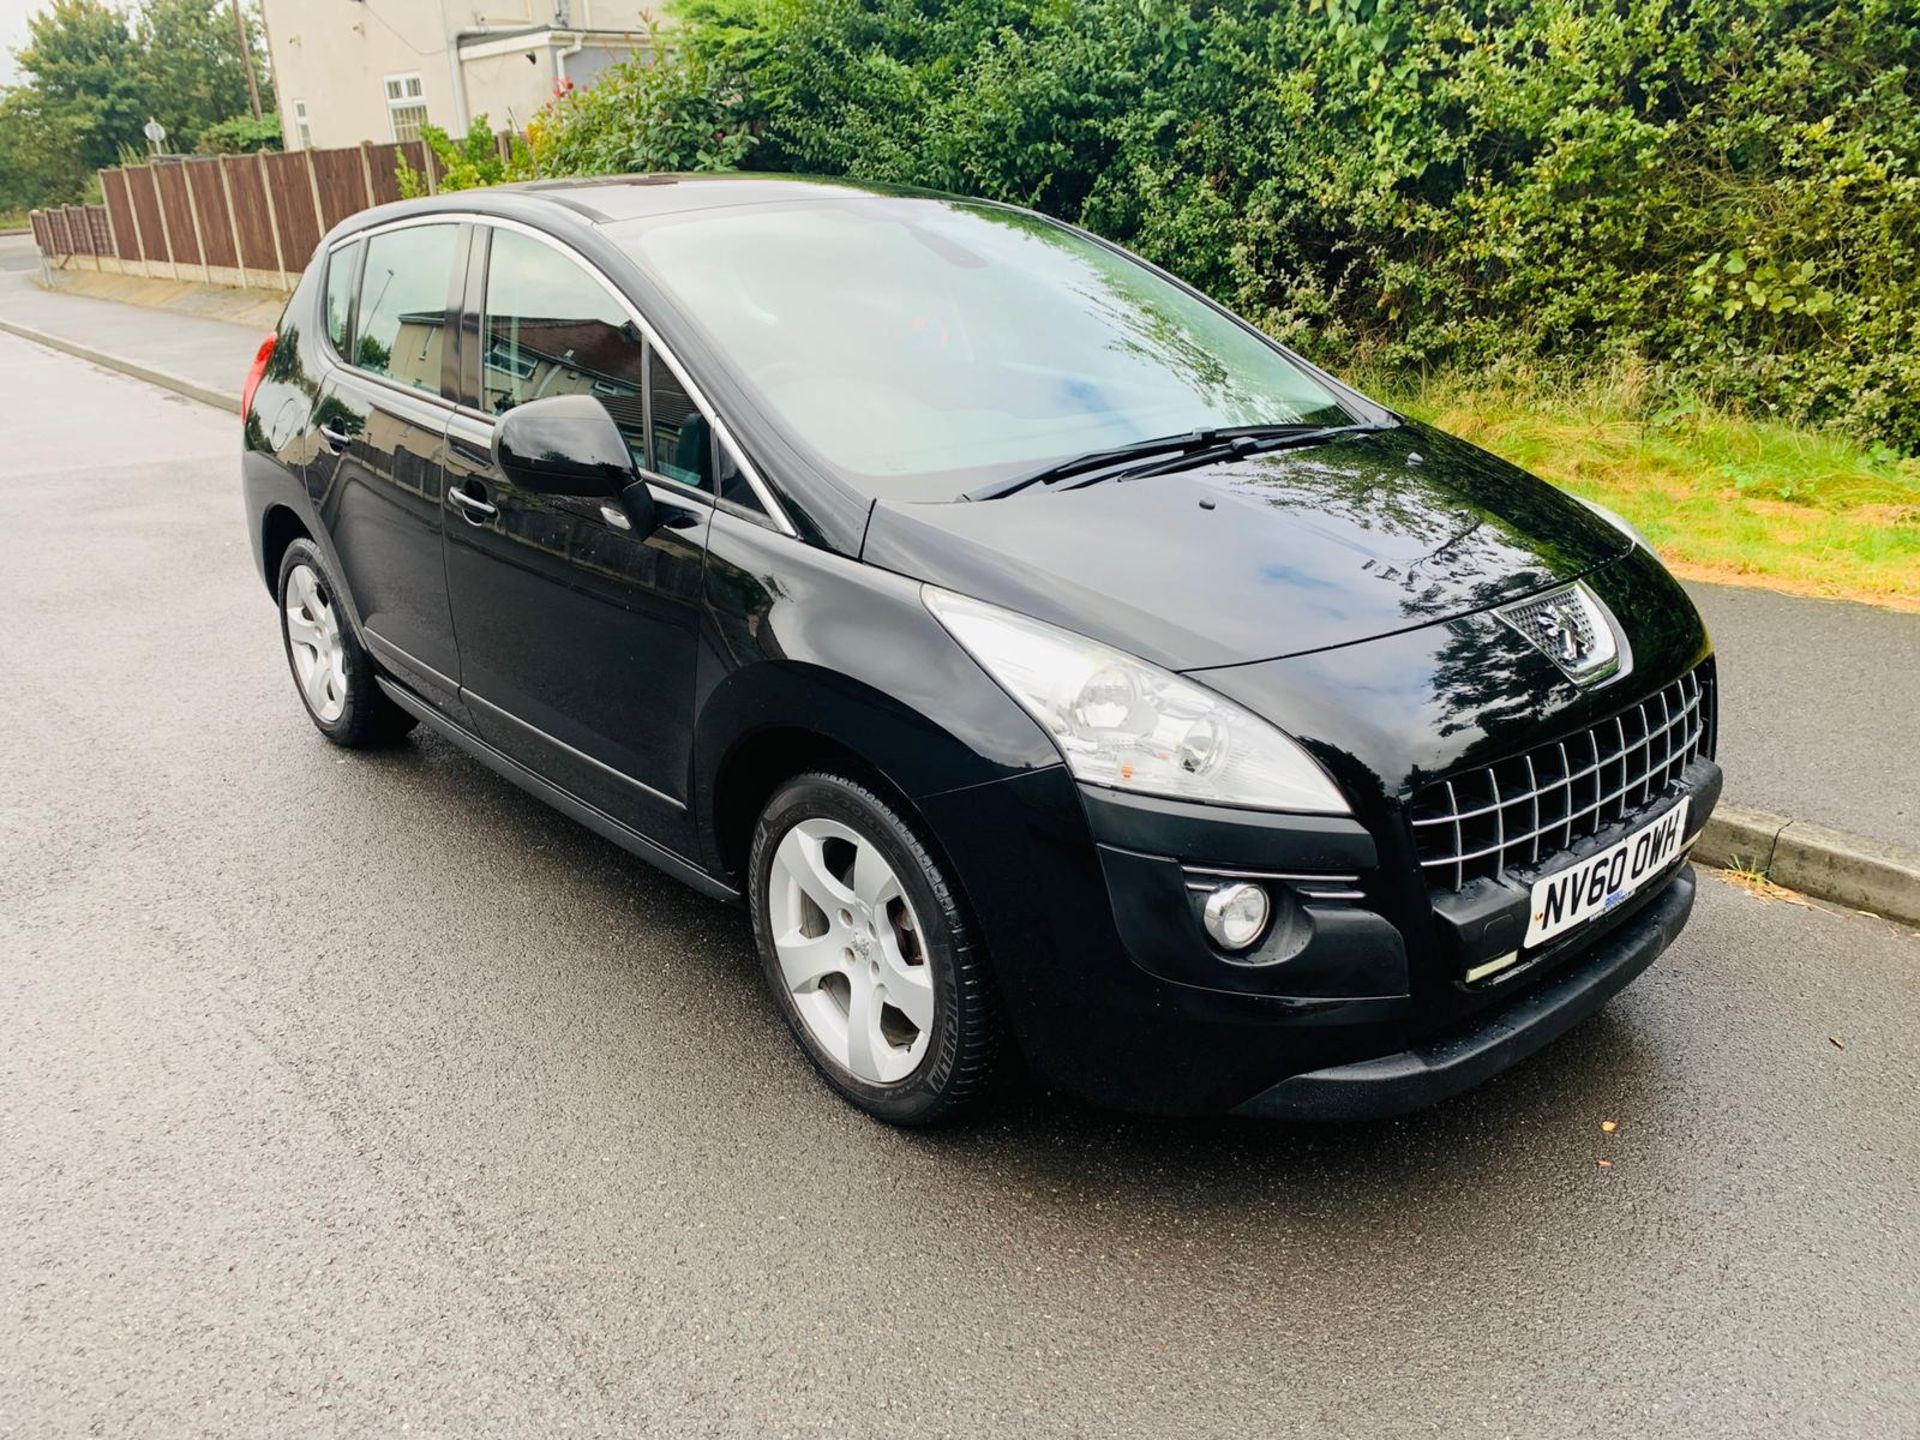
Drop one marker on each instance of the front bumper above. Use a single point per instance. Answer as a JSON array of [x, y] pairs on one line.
[[1359, 1005], [1454, 1062]]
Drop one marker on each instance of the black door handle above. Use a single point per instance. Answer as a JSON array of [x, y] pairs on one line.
[[337, 438]]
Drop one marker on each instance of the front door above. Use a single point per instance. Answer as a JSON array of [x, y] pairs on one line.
[[378, 474], [577, 634]]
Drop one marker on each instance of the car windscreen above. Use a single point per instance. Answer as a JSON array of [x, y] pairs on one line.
[[921, 347]]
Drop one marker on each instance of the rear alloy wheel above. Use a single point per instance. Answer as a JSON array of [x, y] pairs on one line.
[[865, 949], [331, 668], [315, 645]]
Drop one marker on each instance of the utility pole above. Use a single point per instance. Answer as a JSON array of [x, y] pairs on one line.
[[246, 57]]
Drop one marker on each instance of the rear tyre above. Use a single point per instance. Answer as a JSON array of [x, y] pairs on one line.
[[868, 955], [331, 668]]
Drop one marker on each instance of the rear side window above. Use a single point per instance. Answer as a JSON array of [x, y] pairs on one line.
[[340, 267], [403, 305], [552, 329]]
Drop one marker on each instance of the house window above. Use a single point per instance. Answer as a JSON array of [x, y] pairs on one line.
[[406, 106], [302, 132]]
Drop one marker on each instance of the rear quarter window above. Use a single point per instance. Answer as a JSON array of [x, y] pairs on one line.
[[339, 297]]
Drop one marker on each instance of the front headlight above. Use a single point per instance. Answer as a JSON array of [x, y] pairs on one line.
[[1618, 521], [1124, 723]]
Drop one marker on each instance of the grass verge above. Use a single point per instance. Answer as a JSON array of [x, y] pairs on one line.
[[1722, 497]]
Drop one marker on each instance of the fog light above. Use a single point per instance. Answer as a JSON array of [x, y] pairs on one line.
[[1235, 914]]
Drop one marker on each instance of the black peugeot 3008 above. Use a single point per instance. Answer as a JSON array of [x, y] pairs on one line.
[[1049, 661]]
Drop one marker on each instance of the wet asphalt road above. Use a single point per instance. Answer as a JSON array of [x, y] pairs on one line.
[[349, 1095]]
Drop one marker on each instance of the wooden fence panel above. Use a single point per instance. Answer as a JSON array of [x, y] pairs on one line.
[[385, 163], [210, 201], [171, 177], [113, 188], [254, 212], [341, 178], [249, 191], [146, 212], [293, 207], [79, 230]]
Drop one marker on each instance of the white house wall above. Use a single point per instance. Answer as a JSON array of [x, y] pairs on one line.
[[336, 55]]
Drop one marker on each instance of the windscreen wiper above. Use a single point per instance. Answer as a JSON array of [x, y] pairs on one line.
[[1234, 445], [1095, 460], [1181, 452]]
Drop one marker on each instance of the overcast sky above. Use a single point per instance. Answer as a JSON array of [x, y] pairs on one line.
[[13, 33]]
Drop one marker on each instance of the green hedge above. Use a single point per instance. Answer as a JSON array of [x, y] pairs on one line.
[[1728, 190]]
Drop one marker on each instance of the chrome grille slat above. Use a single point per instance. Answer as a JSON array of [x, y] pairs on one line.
[[1453, 804], [1580, 774], [1648, 746], [1533, 794]]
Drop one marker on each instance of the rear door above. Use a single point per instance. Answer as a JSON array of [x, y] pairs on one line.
[[379, 471], [577, 634]]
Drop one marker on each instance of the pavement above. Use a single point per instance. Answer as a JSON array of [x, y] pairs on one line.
[[204, 358], [349, 1095], [1822, 708]]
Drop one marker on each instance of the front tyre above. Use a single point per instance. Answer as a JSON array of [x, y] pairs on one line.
[[867, 954], [331, 668]]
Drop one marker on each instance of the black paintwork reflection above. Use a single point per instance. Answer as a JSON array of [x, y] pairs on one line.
[[803, 644], [379, 500], [1278, 555], [1391, 714], [564, 444], [582, 630]]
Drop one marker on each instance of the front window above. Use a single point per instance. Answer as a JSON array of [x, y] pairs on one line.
[[552, 329], [922, 347], [406, 106]]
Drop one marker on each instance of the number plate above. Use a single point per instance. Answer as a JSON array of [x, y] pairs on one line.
[[1595, 885]]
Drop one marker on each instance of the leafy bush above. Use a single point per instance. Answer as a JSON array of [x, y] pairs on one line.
[[40, 155], [678, 113], [1726, 192], [241, 135], [468, 163], [100, 71]]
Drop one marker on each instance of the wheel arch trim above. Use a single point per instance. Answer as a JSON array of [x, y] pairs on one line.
[[750, 736]]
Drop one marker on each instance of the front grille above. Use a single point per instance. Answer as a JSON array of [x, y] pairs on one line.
[[1482, 823]]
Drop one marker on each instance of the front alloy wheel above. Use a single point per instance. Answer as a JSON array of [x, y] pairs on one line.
[[849, 949], [867, 953]]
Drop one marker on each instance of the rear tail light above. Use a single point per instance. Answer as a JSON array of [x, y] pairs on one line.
[[255, 373]]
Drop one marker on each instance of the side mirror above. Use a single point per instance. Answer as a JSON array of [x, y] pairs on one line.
[[564, 445]]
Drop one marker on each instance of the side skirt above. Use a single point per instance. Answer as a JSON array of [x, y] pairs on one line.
[[598, 821]]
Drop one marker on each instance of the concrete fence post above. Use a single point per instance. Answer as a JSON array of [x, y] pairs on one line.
[[233, 220], [139, 235], [366, 171], [160, 207], [313, 185], [113, 230], [199, 227], [273, 221]]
